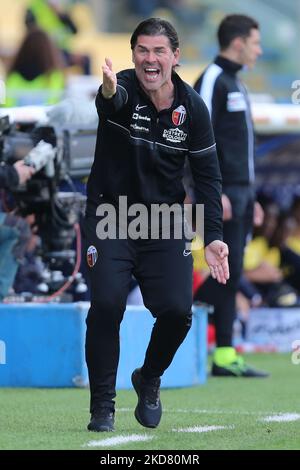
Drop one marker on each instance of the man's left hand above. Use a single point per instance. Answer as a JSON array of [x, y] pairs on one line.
[[216, 255]]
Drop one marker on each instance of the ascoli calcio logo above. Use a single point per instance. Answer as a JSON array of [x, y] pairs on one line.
[[91, 256], [179, 115]]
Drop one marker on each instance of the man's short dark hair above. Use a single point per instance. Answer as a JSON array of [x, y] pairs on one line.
[[155, 27], [234, 26]]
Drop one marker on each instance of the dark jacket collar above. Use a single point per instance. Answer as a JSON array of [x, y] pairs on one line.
[[228, 65]]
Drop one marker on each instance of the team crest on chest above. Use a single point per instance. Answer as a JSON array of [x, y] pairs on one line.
[[179, 115]]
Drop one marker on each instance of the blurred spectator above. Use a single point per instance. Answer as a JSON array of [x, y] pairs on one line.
[[36, 75], [29, 277], [49, 16], [268, 261], [293, 240], [14, 231], [286, 236], [250, 293]]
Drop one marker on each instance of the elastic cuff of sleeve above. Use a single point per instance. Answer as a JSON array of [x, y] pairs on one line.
[[212, 237]]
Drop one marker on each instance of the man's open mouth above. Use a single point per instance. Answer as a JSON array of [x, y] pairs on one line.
[[151, 72]]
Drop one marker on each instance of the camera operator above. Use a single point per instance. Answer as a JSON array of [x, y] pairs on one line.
[[14, 230], [12, 176]]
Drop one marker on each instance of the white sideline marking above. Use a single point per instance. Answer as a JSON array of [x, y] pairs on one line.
[[270, 414], [117, 409], [117, 440], [217, 412], [202, 428], [195, 410], [282, 417]]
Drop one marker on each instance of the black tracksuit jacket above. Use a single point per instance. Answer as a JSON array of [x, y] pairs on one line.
[[227, 100], [141, 152]]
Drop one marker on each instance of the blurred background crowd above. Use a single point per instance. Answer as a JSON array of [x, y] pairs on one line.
[[85, 30]]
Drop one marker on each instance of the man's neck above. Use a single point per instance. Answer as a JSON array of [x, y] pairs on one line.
[[162, 98], [230, 55]]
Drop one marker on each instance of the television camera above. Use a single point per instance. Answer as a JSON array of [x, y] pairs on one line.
[[55, 194]]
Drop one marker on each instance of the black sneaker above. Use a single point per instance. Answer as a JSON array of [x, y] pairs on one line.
[[148, 410], [238, 368], [102, 420]]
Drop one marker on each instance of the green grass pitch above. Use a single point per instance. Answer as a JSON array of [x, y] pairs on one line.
[[57, 418]]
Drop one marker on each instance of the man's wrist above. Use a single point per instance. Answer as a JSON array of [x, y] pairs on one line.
[[107, 96]]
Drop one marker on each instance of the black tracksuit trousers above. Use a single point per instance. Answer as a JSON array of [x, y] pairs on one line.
[[164, 275], [235, 232]]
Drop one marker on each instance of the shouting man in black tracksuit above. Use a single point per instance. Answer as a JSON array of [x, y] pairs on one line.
[[228, 104], [150, 120]]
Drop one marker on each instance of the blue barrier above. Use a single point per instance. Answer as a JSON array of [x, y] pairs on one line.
[[43, 346]]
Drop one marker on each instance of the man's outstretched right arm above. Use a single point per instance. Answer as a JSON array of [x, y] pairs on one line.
[[111, 96]]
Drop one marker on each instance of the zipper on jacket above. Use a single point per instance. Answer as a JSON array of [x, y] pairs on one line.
[[154, 140]]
